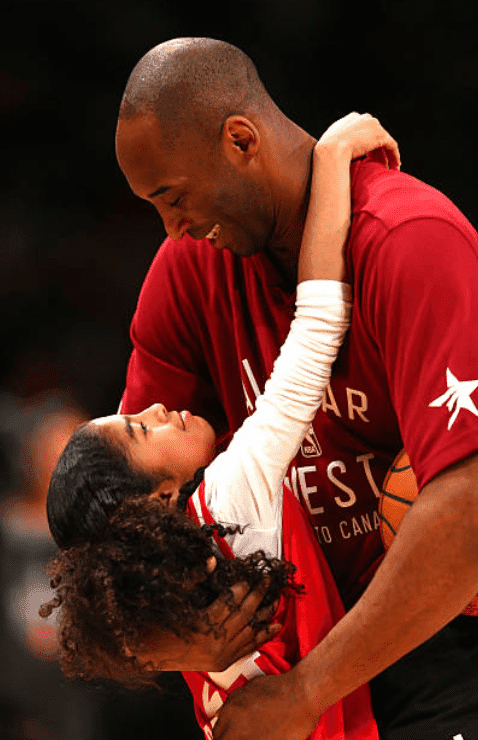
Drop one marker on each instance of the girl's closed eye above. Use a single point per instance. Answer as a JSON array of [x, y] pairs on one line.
[[143, 427]]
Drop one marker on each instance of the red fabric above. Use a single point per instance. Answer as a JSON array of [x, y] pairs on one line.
[[306, 619], [209, 325]]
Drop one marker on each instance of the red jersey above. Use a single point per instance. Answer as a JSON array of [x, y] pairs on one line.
[[209, 326], [306, 620]]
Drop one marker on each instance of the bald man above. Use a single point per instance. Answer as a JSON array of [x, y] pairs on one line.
[[200, 138]]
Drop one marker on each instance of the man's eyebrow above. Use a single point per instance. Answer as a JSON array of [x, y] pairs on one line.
[[129, 427], [159, 191]]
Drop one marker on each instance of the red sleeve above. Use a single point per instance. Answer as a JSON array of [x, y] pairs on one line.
[[422, 306], [168, 363]]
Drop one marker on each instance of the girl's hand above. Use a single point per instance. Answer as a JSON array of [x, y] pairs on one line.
[[357, 134]]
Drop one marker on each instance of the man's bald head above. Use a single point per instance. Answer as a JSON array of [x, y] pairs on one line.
[[194, 83]]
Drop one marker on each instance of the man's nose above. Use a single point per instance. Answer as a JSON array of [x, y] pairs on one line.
[[176, 228]]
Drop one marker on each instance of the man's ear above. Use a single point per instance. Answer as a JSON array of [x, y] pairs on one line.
[[240, 139]]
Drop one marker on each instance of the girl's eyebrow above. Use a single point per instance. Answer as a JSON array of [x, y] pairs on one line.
[[129, 427]]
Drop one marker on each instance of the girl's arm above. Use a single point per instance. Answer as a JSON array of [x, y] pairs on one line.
[[328, 216], [244, 484]]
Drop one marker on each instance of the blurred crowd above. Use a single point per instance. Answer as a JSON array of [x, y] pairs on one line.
[[76, 244]]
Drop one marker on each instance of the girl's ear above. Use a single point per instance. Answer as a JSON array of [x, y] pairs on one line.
[[167, 493]]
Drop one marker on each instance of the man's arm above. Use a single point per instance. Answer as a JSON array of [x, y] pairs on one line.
[[418, 296], [428, 576]]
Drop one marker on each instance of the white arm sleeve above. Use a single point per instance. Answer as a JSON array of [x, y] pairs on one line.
[[244, 483]]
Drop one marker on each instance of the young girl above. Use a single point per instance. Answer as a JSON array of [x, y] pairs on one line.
[[136, 579]]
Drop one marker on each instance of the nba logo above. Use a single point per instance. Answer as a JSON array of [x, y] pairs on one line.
[[310, 446]]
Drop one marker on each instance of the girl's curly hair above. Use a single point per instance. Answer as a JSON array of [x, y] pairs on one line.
[[148, 569], [127, 564]]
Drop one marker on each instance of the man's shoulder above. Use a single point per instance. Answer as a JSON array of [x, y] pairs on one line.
[[392, 198]]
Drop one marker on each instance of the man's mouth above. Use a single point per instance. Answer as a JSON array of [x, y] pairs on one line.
[[214, 233]]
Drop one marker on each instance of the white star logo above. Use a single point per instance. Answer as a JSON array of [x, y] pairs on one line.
[[457, 395]]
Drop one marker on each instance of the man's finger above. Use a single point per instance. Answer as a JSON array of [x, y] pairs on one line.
[[219, 610], [246, 601], [267, 612], [247, 609], [247, 642]]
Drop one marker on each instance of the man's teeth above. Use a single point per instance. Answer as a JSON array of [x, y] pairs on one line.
[[214, 233]]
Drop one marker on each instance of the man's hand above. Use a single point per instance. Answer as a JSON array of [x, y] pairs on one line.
[[267, 708], [204, 651], [238, 637]]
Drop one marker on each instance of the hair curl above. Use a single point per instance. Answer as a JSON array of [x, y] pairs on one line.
[[148, 569]]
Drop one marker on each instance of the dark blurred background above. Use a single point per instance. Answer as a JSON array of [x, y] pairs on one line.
[[76, 244]]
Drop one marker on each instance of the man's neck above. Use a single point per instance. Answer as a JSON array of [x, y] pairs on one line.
[[291, 211]]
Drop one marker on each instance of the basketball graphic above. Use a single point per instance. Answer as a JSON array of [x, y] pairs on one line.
[[399, 491]]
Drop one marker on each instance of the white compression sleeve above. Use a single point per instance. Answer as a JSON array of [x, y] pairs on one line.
[[244, 484]]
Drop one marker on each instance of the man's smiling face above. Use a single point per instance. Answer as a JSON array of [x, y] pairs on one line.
[[194, 186]]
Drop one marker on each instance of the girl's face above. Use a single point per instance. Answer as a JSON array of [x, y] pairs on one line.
[[158, 441]]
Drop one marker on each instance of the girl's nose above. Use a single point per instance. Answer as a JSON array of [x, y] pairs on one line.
[[160, 411]]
